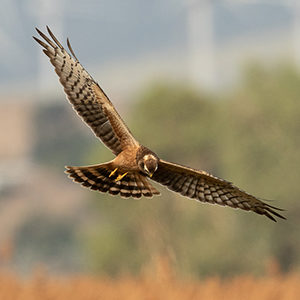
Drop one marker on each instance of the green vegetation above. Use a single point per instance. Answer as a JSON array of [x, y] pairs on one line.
[[50, 240], [249, 136], [59, 137]]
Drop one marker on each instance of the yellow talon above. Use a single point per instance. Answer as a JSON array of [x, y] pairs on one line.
[[113, 172], [121, 176]]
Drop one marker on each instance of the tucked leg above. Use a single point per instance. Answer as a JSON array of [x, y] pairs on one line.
[[120, 176]]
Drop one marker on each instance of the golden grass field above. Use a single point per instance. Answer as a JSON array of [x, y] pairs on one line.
[[161, 284], [83, 287]]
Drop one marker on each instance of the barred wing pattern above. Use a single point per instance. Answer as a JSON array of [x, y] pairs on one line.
[[204, 187], [86, 96], [99, 178]]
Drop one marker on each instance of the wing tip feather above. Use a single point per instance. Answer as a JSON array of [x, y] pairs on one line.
[[71, 49], [269, 213], [54, 38]]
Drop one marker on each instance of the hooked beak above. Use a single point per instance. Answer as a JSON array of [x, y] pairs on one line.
[[150, 174]]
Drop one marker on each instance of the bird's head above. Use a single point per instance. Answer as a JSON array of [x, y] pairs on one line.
[[148, 164]]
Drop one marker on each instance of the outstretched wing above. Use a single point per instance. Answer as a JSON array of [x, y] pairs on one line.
[[204, 187], [86, 96]]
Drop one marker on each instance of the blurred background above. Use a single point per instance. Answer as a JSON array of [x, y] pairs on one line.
[[210, 84]]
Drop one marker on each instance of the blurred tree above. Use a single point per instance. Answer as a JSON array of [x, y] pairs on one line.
[[59, 138], [250, 137], [176, 122], [49, 240], [261, 151]]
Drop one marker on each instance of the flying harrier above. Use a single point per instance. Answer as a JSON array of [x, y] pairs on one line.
[[129, 172]]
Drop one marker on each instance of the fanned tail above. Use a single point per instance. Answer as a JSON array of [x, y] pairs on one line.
[[102, 178]]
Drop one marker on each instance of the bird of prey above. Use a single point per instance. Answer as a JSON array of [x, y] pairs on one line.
[[129, 172]]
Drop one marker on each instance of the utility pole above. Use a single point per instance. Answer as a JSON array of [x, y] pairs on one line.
[[295, 6], [201, 43]]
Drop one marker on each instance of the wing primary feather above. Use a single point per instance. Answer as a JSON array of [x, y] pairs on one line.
[[271, 217], [41, 42], [45, 38], [276, 213], [54, 38], [274, 207], [71, 49]]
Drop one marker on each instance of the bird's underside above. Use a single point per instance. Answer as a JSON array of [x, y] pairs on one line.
[[128, 174]]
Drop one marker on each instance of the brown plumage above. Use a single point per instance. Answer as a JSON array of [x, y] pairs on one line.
[[128, 174], [99, 178]]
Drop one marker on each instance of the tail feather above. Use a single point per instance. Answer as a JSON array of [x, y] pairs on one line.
[[99, 178]]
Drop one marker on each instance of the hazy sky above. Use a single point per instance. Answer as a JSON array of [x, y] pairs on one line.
[[116, 30]]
